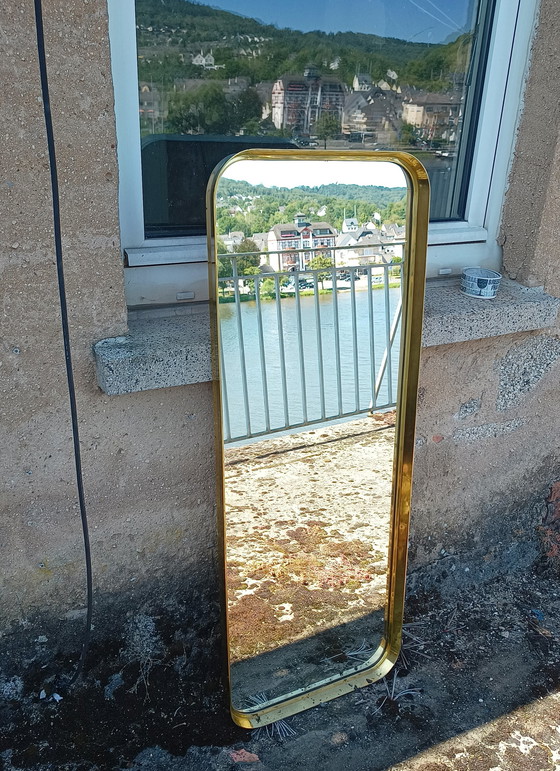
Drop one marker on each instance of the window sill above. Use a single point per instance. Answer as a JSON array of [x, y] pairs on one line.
[[165, 351], [452, 317], [158, 352]]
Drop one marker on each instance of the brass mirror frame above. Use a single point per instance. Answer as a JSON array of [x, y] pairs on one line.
[[413, 278]]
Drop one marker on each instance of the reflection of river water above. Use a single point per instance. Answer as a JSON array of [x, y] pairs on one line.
[[354, 397]]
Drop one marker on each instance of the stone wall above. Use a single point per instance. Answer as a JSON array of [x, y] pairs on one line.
[[148, 457], [487, 455], [529, 231], [487, 451]]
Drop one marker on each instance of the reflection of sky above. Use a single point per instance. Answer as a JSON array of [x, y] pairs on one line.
[[313, 173], [429, 21]]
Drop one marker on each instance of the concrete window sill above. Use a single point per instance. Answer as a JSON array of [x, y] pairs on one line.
[[452, 317], [161, 351]]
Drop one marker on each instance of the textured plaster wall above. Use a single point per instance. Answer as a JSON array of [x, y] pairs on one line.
[[487, 450], [487, 455], [530, 229], [148, 462], [487, 446]]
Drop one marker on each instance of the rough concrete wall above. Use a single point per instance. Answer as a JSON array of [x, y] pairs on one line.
[[529, 231], [148, 461], [487, 455]]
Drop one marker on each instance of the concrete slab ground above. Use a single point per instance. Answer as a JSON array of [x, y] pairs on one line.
[[307, 540]]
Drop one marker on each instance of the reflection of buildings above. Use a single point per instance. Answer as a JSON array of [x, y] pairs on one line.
[[435, 116], [391, 235], [361, 82], [232, 239], [299, 235], [349, 224], [206, 62], [299, 101], [152, 106], [366, 245], [368, 112], [264, 90], [367, 248], [393, 232], [261, 240], [372, 109]]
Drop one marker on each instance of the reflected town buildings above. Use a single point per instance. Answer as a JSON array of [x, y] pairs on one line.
[[204, 70]]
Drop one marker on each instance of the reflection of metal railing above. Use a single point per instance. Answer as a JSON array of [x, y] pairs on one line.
[[303, 347]]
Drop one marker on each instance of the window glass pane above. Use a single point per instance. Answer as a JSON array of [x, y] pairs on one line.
[[371, 74]]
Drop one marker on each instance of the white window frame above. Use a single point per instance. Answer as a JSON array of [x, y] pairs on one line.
[[452, 245]]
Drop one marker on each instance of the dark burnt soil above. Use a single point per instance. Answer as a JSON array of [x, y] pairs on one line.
[[465, 663], [154, 685]]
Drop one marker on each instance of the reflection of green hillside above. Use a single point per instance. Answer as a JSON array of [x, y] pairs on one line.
[[180, 28], [268, 206], [373, 194]]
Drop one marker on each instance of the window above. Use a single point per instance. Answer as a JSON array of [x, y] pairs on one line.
[[453, 101]]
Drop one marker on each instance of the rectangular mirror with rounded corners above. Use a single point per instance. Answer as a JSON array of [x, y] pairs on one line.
[[316, 323]]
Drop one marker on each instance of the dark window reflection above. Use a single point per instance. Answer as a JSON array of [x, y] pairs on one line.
[[372, 74], [175, 172]]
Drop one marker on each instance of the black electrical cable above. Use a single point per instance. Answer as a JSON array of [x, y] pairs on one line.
[[65, 329]]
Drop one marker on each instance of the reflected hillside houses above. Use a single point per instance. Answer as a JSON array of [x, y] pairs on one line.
[[299, 235], [206, 71], [435, 117], [206, 61], [372, 110], [291, 246], [368, 244], [298, 102], [342, 223]]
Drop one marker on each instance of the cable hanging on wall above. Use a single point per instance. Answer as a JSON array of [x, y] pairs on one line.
[[65, 330]]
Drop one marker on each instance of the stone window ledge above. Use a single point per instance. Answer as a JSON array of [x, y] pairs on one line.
[[452, 317], [158, 352], [161, 351]]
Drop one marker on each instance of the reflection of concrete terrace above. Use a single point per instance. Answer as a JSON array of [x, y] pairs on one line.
[[307, 531]]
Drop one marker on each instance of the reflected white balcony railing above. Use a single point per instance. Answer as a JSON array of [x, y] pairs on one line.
[[304, 347]]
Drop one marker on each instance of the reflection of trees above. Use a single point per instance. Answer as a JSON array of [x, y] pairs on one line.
[[395, 212], [245, 263], [321, 261], [268, 288], [327, 126], [247, 109], [395, 271], [277, 206], [228, 223], [202, 110], [224, 264], [408, 134], [208, 110]]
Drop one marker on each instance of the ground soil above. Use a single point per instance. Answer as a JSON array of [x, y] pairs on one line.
[[476, 688], [482, 676]]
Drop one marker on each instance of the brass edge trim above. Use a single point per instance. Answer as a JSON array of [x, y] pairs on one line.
[[411, 338], [414, 271]]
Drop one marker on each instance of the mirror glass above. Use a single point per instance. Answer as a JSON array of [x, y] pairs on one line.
[[308, 306]]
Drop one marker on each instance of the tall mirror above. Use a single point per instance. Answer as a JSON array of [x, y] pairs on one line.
[[317, 315]]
